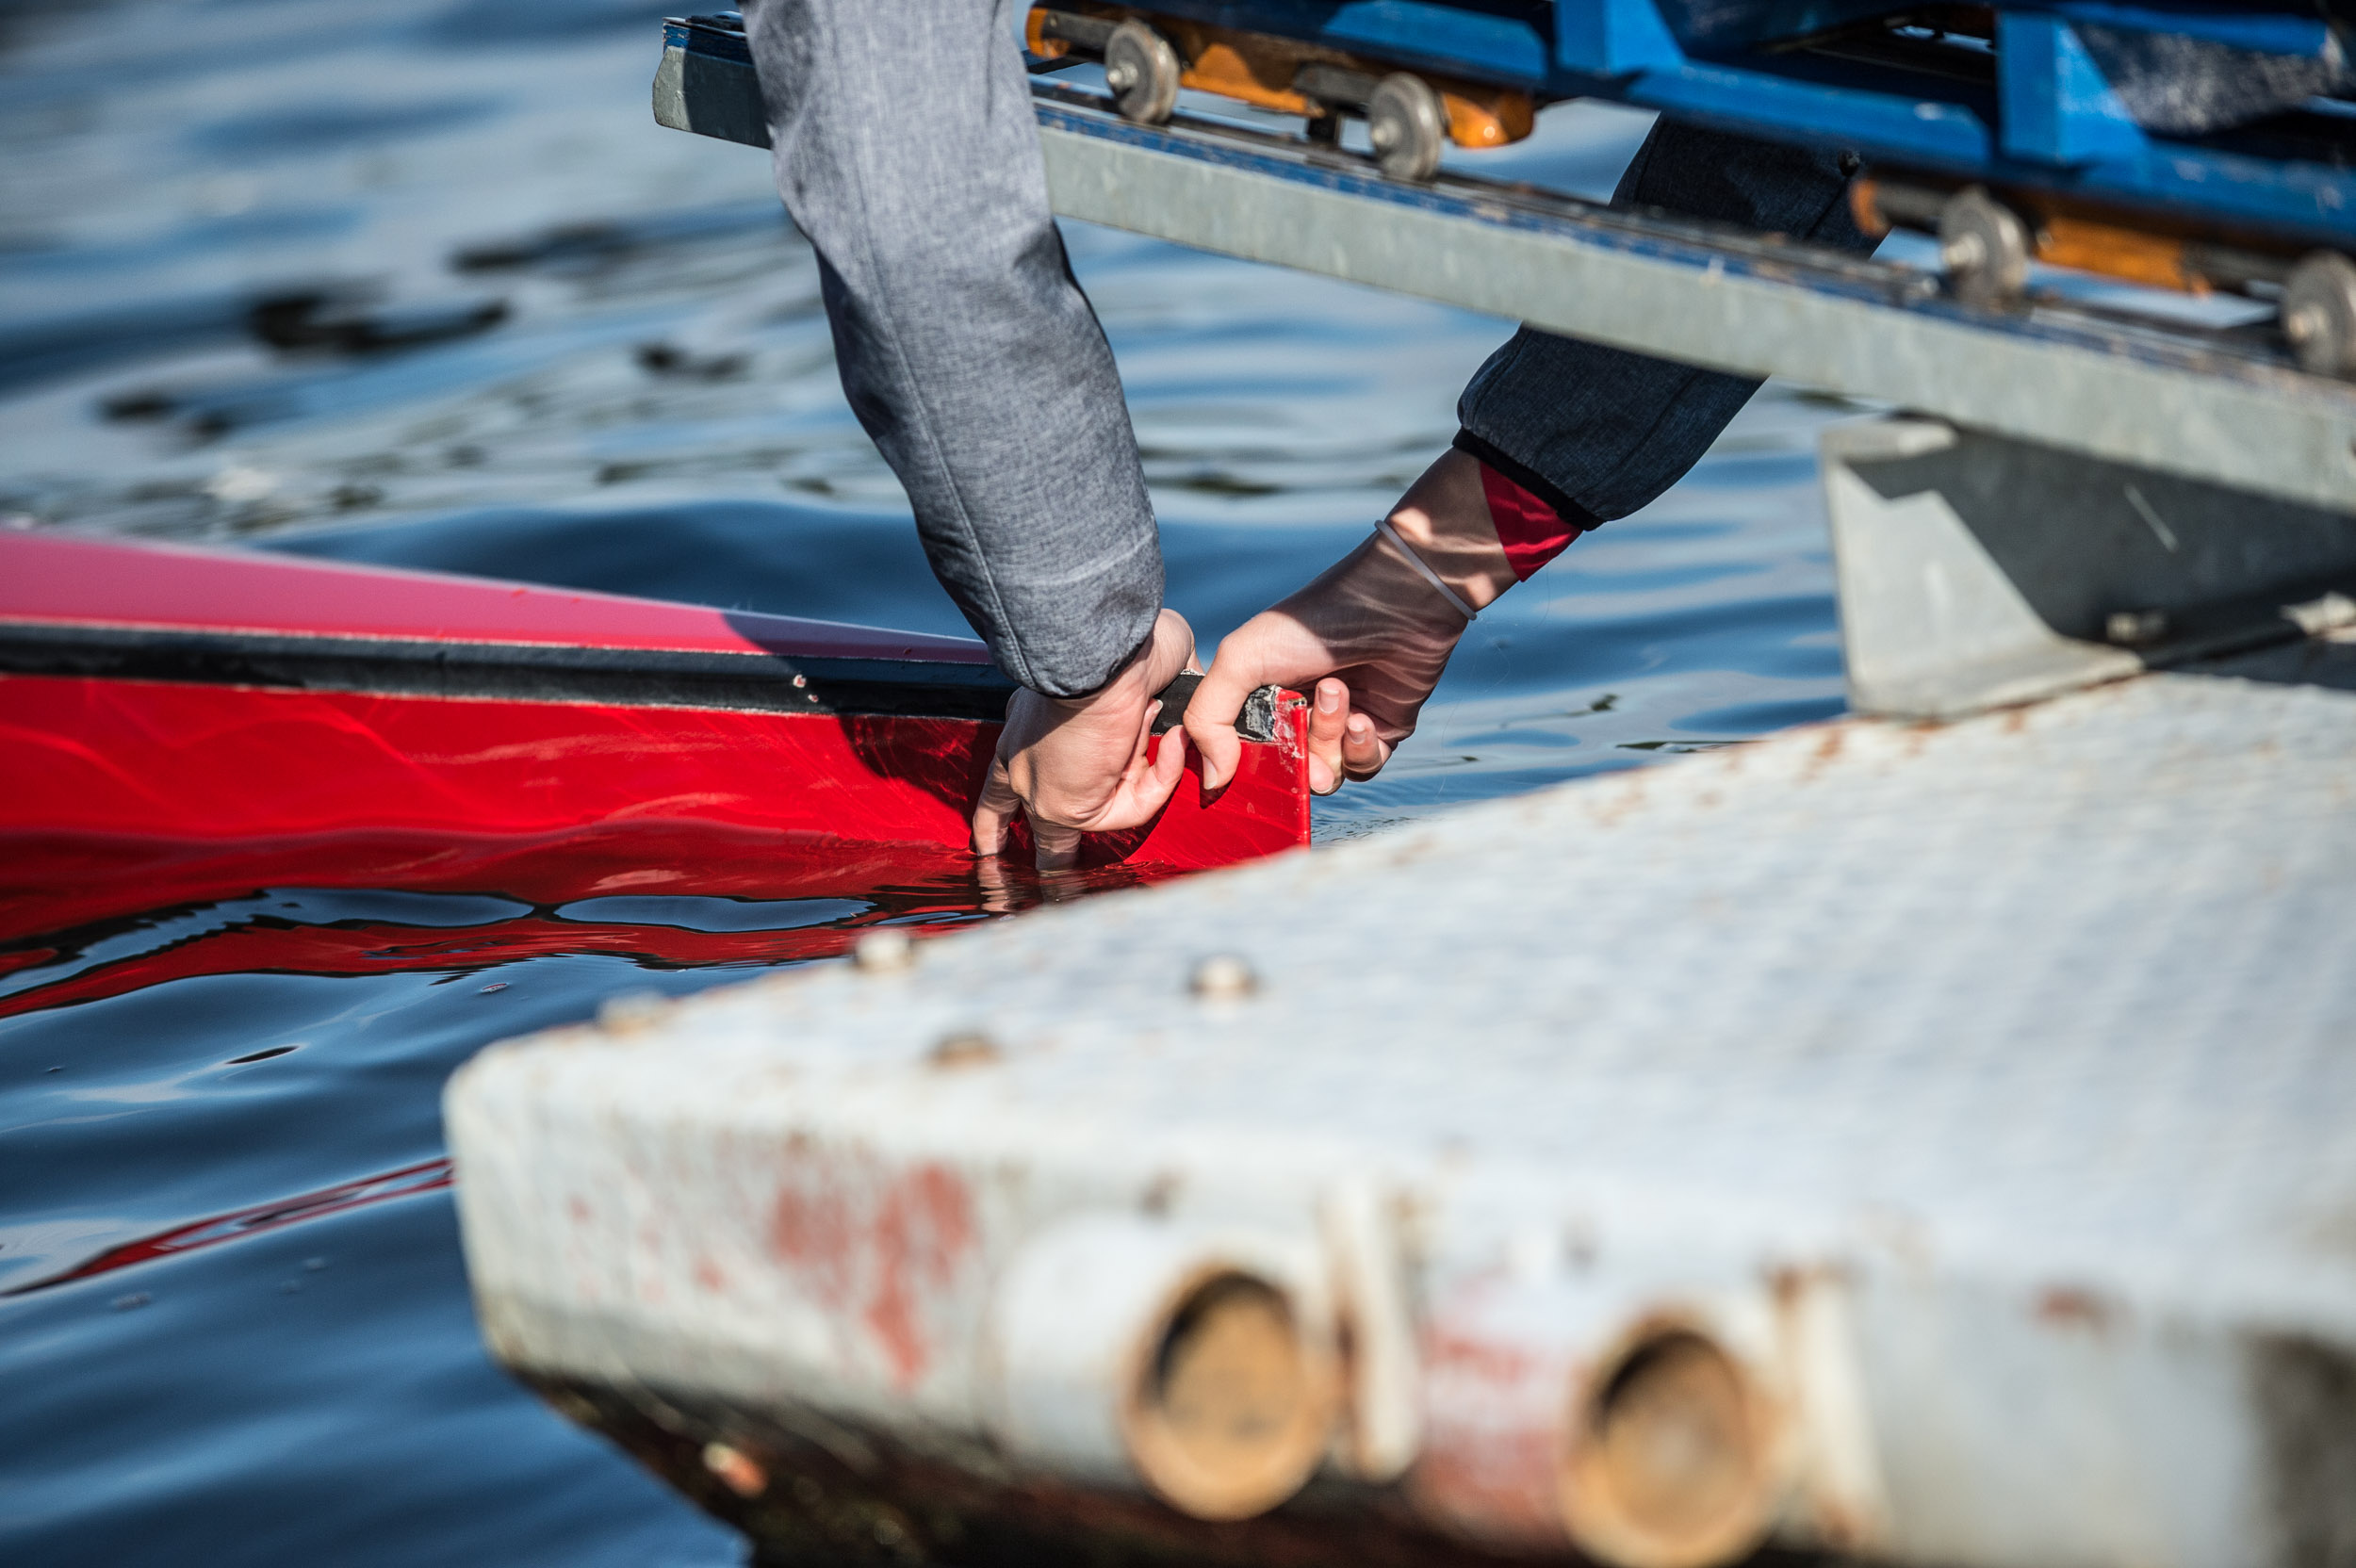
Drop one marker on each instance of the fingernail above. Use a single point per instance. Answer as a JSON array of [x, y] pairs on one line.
[[1328, 699]]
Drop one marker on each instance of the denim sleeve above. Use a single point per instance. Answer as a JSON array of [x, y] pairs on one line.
[[1598, 433], [905, 150]]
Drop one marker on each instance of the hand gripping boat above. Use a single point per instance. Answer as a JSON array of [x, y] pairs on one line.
[[179, 725]]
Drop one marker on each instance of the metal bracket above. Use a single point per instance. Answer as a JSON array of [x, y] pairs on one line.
[[1977, 571]]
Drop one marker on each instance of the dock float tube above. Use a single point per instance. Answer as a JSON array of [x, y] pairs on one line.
[[180, 724], [1926, 1144]]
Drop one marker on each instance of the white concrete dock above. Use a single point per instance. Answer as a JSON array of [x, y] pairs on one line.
[[1931, 1142]]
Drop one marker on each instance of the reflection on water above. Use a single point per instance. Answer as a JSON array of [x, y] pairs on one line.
[[233, 1328], [419, 281]]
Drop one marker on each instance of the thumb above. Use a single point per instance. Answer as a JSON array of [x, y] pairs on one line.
[[1210, 721], [1170, 765], [1157, 775]]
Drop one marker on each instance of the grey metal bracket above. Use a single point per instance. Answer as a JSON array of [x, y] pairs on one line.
[[1976, 571], [709, 92]]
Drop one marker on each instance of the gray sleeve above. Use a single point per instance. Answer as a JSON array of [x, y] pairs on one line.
[[907, 152]]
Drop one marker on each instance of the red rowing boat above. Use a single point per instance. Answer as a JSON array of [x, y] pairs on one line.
[[180, 725]]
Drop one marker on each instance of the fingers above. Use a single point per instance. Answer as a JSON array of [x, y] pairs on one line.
[[1145, 785], [1328, 717], [1158, 776], [990, 876], [1363, 751], [1149, 781], [996, 809], [1059, 845]]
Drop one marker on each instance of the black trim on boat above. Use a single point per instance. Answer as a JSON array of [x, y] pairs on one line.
[[513, 672]]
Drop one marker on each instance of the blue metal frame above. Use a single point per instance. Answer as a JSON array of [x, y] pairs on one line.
[[2047, 116]]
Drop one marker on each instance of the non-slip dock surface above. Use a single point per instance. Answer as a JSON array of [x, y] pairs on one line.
[[2031, 1031]]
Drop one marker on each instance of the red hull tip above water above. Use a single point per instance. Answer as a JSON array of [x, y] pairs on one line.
[[180, 724]]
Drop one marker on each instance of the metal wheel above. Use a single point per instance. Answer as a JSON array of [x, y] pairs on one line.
[[2319, 314], [1142, 70], [1984, 246], [1408, 126]]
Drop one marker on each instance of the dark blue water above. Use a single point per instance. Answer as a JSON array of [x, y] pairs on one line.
[[419, 281]]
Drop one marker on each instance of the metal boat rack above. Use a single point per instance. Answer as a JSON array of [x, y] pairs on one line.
[[2222, 404], [2117, 491]]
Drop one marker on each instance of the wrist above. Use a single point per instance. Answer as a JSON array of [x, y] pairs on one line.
[[1119, 688], [1444, 519], [1473, 566], [1168, 648]]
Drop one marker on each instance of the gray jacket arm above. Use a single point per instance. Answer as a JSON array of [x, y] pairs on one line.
[[906, 150]]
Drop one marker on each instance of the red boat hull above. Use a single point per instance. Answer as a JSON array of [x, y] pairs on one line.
[[178, 725]]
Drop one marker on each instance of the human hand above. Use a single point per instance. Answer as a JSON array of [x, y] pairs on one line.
[[1370, 632], [1077, 765]]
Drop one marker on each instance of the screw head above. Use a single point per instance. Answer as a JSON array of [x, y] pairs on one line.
[[1120, 77], [1223, 978], [965, 1048], [1384, 135], [629, 1012], [885, 952], [736, 1470]]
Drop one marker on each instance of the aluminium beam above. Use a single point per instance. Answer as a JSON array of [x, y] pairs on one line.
[[2200, 405], [1959, 592]]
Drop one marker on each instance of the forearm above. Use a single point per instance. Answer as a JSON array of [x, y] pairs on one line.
[[1479, 529], [906, 150], [1598, 433]]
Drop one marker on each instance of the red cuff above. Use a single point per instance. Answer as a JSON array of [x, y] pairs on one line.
[[1531, 530]]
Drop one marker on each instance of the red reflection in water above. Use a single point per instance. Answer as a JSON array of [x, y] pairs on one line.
[[373, 949], [907, 887], [239, 1223]]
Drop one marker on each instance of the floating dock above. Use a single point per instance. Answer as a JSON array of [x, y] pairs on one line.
[[1935, 1144]]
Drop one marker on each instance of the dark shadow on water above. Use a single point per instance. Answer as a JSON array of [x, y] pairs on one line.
[[785, 560], [522, 21], [778, 559], [302, 130]]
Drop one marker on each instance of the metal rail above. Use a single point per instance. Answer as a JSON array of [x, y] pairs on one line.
[[2202, 404]]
